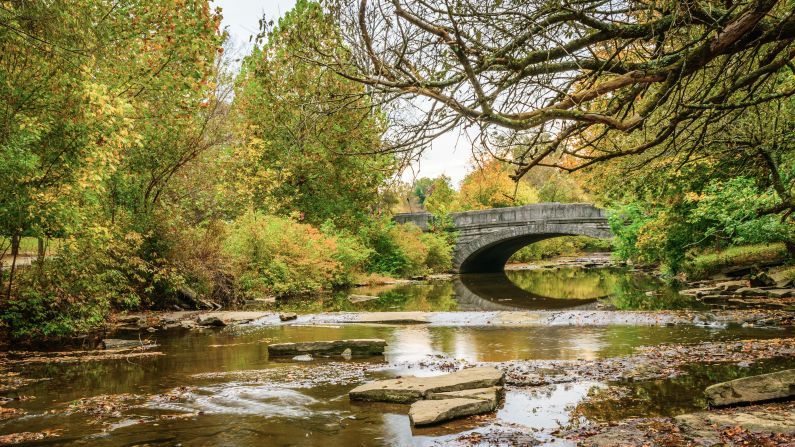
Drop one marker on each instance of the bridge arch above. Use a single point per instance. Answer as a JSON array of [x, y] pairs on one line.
[[491, 251], [488, 238]]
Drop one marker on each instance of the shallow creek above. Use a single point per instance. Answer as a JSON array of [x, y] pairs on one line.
[[217, 387]]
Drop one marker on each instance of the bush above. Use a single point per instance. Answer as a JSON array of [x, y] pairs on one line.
[[277, 256], [75, 291], [404, 250]]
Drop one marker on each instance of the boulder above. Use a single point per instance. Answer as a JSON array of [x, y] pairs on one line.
[[411, 389], [427, 412], [761, 279], [777, 385], [210, 320], [288, 316], [361, 298], [359, 347]]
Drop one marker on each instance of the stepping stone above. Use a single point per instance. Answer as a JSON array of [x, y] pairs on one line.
[[491, 394], [358, 347], [410, 389], [427, 412], [777, 385]]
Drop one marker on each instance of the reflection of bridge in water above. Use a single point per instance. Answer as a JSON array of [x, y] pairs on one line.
[[495, 291], [488, 238]]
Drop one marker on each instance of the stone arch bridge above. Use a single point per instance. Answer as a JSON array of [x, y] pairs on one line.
[[488, 238]]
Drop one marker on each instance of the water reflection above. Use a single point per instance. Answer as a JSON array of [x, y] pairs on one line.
[[536, 289]]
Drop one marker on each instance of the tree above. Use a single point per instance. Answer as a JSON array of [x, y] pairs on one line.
[[312, 137], [490, 187], [564, 77]]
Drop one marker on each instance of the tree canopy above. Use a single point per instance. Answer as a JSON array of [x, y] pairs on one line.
[[562, 77]]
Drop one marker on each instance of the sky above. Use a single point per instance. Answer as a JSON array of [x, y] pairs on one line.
[[449, 155]]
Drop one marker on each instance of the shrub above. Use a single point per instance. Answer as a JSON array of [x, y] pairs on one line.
[[440, 252], [277, 256], [75, 291], [404, 250]]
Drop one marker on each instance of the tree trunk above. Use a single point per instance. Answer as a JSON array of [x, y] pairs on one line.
[[14, 252], [41, 249]]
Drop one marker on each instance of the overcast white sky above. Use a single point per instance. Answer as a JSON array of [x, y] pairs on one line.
[[449, 154]]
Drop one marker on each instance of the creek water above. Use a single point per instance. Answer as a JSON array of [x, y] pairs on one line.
[[217, 387]]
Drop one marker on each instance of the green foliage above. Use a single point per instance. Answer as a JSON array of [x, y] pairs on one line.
[[440, 197], [74, 292], [724, 214], [709, 263], [560, 246], [404, 250], [311, 138], [273, 255]]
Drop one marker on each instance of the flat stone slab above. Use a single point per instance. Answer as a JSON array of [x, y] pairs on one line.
[[490, 394], [357, 346], [777, 385], [411, 389], [361, 298], [391, 318], [428, 412], [753, 419], [118, 343]]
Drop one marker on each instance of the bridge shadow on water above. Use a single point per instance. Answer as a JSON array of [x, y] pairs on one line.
[[496, 291]]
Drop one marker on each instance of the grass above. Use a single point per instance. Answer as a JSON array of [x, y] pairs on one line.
[[710, 263], [30, 245]]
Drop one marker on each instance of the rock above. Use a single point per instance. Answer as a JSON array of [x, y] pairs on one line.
[[391, 318], [699, 292], [347, 354], [117, 343], [361, 298], [303, 358], [135, 320], [712, 299], [490, 394], [762, 279], [187, 324], [756, 419], [288, 316], [781, 293], [427, 412], [410, 389], [777, 385], [732, 285], [783, 278], [750, 291], [361, 347], [210, 320]]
